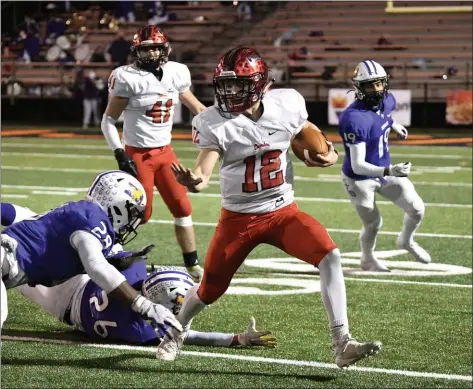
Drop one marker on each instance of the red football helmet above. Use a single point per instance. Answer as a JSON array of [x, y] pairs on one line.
[[151, 48], [240, 78]]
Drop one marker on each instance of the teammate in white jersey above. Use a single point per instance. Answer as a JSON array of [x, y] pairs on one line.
[[250, 135], [146, 92]]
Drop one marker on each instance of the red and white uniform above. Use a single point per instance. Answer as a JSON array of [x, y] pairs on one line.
[[147, 128], [256, 179], [256, 174]]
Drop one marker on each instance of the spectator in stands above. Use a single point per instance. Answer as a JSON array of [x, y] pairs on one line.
[[31, 47], [327, 74], [285, 37], [158, 13], [244, 10], [383, 40], [93, 87], [296, 56], [66, 56], [30, 25], [98, 54], [126, 11], [6, 52], [119, 49], [55, 26]]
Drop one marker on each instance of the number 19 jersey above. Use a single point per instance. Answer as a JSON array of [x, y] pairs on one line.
[[148, 115], [256, 174], [358, 124]]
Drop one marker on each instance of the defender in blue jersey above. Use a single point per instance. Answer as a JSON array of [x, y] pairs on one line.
[[364, 127], [81, 303], [75, 238]]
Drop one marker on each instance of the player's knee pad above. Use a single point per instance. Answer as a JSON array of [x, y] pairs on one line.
[[185, 221]]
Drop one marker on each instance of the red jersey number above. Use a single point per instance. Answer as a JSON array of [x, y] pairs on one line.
[[161, 111]]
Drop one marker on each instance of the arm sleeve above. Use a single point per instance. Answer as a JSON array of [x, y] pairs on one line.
[[95, 264], [215, 339], [359, 164], [202, 136], [110, 132], [183, 81], [12, 214]]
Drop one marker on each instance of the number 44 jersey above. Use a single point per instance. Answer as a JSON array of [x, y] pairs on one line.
[[148, 115], [256, 174], [358, 124]]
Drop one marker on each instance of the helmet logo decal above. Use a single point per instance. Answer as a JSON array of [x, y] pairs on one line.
[[252, 59], [356, 71], [135, 193]]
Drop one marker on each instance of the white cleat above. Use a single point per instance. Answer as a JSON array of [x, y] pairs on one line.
[[196, 272], [370, 263], [418, 252], [169, 349], [348, 351]]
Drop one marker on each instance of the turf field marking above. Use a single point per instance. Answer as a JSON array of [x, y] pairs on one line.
[[15, 196], [51, 190], [78, 191], [196, 149], [319, 178], [398, 268], [415, 169], [279, 361], [382, 280]]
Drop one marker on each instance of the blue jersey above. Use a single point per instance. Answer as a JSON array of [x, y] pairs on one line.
[[360, 124], [109, 319], [44, 250]]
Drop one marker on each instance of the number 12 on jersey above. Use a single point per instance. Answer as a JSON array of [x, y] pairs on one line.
[[270, 164]]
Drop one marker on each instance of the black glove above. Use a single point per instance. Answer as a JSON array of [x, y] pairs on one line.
[[124, 259], [125, 163]]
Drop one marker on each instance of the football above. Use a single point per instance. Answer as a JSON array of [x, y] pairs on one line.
[[309, 144]]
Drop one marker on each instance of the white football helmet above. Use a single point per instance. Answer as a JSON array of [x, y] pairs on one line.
[[167, 286], [366, 73], [123, 198]]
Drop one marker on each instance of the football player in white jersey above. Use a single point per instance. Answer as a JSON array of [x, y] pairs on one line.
[[146, 92], [250, 132]]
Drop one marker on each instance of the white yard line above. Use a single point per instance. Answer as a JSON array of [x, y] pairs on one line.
[[14, 196], [110, 157], [247, 358], [382, 280], [331, 178], [196, 149]]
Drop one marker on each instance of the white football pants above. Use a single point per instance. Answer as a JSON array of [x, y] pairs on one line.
[[55, 300], [399, 190]]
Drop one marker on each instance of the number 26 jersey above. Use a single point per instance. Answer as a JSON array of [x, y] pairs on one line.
[[256, 174]]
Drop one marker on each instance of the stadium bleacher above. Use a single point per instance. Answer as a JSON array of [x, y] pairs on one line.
[[337, 35]]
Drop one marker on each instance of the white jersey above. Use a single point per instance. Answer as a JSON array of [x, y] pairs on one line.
[[256, 174], [148, 115]]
